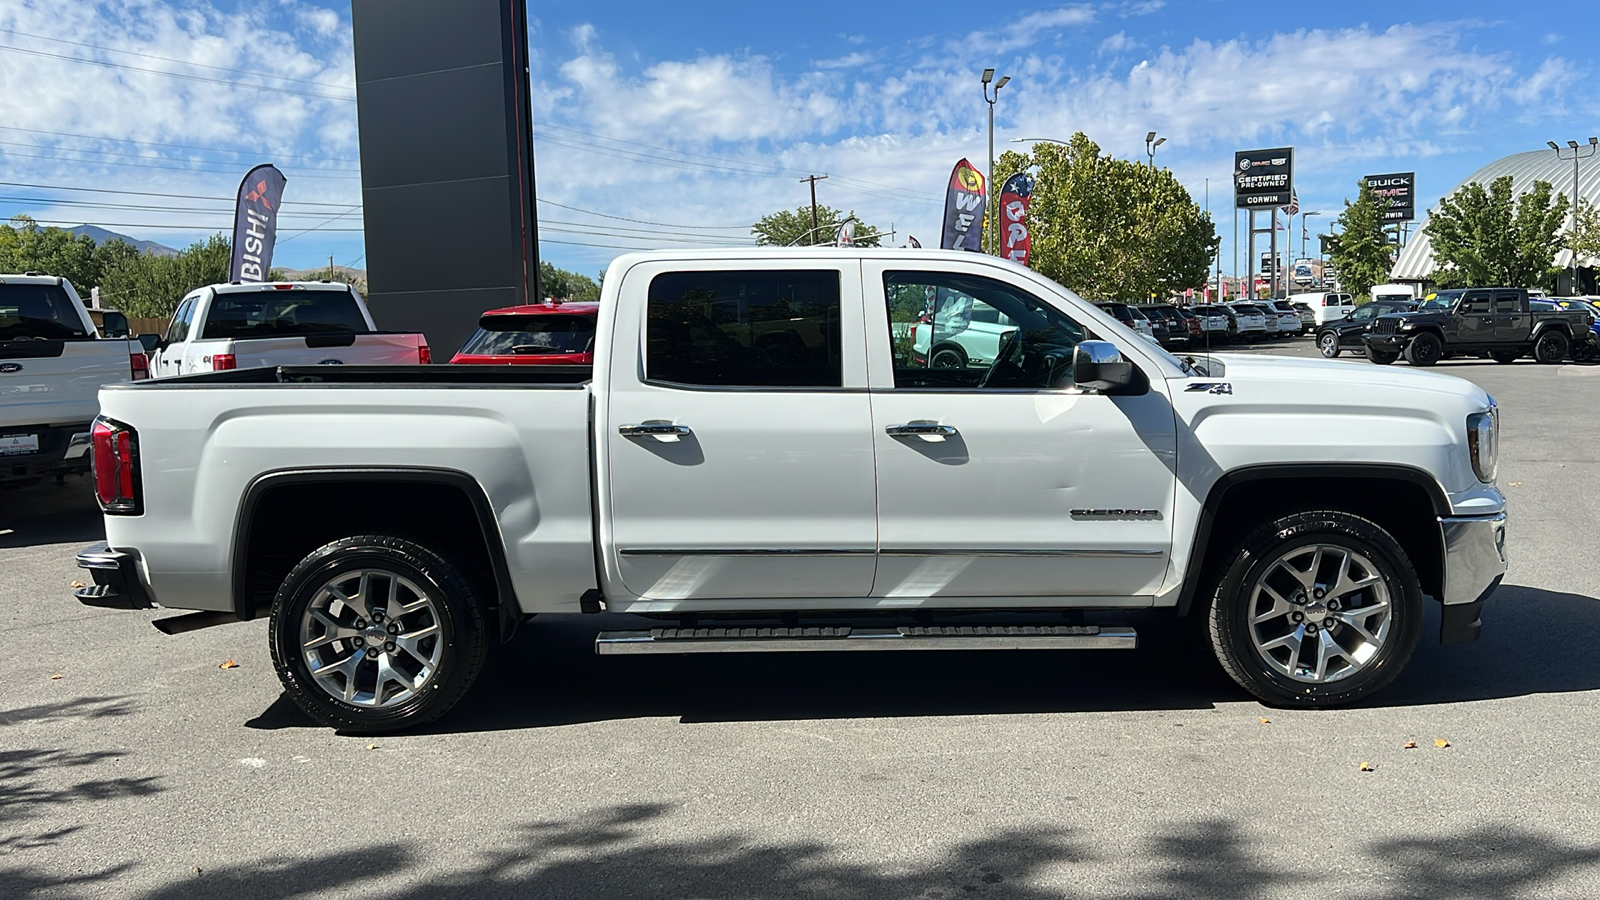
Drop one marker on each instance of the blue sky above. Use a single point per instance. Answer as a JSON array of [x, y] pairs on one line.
[[706, 115]]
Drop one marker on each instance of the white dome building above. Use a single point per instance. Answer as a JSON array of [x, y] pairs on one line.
[[1416, 264]]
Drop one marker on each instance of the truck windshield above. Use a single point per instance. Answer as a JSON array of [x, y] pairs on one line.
[[510, 335], [283, 313], [38, 311]]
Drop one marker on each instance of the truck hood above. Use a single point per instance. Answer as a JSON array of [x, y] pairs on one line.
[[1341, 382]]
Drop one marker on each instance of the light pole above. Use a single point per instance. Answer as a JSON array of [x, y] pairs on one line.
[[1594, 145], [1305, 235], [1151, 142], [988, 76]]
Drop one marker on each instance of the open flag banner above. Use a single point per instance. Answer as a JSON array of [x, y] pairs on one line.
[[963, 209], [1015, 241], [255, 223]]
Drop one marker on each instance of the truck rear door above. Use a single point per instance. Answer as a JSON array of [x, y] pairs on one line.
[[1512, 321], [735, 439]]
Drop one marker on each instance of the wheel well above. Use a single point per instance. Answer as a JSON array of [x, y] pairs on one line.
[[1398, 505], [947, 345], [281, 523]]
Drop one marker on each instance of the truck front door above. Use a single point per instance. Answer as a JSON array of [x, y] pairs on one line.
[[736, 436], [1001, 484], [1475, 318]]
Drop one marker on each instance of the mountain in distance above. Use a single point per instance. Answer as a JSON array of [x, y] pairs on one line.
[[100, 236]]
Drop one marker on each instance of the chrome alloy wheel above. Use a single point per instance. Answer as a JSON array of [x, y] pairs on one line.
[[1320, 613], [371, 638]]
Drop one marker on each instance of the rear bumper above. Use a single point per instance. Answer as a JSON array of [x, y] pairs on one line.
[[1474, 565], [116, 579], [63, 450]]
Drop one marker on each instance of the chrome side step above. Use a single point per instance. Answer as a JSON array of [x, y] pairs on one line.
[[844, 637]]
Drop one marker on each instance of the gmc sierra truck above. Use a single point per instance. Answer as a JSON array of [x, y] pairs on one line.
[[760, 458]]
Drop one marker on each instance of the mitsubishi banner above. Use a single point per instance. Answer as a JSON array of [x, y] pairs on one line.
[[255, 224], [1397, 195], [1263, 179]]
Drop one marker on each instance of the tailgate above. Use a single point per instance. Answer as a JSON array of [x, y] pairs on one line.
[[318, 349], [55, 382]]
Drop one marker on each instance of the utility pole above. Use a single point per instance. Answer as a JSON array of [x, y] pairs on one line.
[[813, 179], [330, 268]]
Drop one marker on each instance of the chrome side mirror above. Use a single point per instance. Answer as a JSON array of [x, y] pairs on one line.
[[1099, 366]]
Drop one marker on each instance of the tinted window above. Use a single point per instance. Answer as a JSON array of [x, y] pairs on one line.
[[280, 313], [178, 328], [38, 311], [753, 329], [1507, 302], [1476, 304], [531, 335]]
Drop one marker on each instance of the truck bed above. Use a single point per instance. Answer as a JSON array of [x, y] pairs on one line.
[[442, 376]]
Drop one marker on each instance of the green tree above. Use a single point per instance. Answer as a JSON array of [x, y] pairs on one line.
[[786, 228], [26, 247], [564, 285], [1111, 229], [1360, 251], [1490, 237], [1585, 237], [150, 285]]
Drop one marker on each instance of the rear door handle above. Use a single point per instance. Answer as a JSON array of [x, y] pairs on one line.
[[661, 431], [928, 431]]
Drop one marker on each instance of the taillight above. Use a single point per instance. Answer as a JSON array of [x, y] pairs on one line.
[[116, 473], [221, 361], [139, 365], [424, 355]]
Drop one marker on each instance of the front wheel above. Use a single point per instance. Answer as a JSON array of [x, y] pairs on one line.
[[1551, 347], [1315, 609], [1328, 344], [373, 634], [1425, 350]]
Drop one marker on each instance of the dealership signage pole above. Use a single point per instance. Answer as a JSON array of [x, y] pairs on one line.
[[1263, 180]]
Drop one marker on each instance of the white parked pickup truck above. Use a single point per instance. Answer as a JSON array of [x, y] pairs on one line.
[[758, 463], [278, 323], [52, 365]]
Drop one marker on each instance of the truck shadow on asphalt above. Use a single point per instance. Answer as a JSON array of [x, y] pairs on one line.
[[1534, 642], [49, 514], [632, 851]]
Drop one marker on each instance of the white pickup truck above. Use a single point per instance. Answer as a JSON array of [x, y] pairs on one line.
[[278, 323], [52, 365], [760, 459]]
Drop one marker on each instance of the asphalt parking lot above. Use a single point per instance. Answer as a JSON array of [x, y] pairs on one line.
[[133, 765]]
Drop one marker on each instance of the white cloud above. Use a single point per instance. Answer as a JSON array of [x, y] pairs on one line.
[[848, 61], [1117, 43], [1030, 29]]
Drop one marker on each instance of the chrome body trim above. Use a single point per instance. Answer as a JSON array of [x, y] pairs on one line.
[[793, 640], [740, 551], [1077, 554], [78, 445], [1474, 557]]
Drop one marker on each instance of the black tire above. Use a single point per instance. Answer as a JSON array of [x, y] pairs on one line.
[[951, 355], [1232, 605], [1382, 357], [460, 643], [1424, 350], [1505, 357], [1328, 344], [1551, 347]]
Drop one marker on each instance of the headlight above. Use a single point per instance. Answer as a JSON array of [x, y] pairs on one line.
[[1483, 441], [1407, 326]]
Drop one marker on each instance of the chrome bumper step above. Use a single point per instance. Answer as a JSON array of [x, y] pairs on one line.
[[845, 637]]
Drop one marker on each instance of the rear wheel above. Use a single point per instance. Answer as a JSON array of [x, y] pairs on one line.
[[1425, 350], [1315, 609], [948, 356], [373, 634], [1551, 347], [1328, 344]]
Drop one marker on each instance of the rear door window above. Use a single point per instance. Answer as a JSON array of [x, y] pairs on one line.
[[1507, 303], [39, 311], [516, 335], [761, 328], [283, 313]]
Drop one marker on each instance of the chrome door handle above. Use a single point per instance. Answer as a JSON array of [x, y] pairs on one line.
[[661, 431], [928, 431]]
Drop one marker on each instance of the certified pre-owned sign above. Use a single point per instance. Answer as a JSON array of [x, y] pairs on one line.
[[1263, 179]]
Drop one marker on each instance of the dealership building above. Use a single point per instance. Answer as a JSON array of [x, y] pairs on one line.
[[1416, 264]]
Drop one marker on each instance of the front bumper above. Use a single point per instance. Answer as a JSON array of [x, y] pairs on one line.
[[1474, 565], [1386, 343], [116, 579]]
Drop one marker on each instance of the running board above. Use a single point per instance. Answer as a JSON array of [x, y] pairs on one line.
[[844, 637]]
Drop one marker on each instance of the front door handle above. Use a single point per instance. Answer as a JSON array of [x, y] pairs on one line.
[[661, 431], [928, 431]]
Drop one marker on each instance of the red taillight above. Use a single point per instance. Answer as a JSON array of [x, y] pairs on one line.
[[115, 469], [221, 361], [424, 355], [139, 364]]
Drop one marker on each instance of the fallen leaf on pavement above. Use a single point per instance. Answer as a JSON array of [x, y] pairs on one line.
[[1516, 484], [1441, 743], [79, 584], [56, 677], [1266, 721], [1368, 767], [1410, 745], [230, 664], [372, 746]]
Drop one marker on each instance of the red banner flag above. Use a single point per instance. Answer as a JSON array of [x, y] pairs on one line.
[[1016, 243]]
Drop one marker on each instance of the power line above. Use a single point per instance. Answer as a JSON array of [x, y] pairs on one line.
[[642, 221], [171, 60], [62, 187], [298, 173], [62, 223], [112, 65], [122, 155], [90, 137]]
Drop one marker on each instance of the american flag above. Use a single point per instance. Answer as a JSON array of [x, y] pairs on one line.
[[1293, 208]]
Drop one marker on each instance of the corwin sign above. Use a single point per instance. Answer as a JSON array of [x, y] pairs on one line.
[[1263, 179], [1397, 195]]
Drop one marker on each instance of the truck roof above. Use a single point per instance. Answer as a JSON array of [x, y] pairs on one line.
[[246, 287]]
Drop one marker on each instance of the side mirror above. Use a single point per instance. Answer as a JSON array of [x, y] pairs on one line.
[[1099, 366], [114, 325], [150, 342]]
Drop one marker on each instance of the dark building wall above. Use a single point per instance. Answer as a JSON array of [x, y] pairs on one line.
[[446, 162]]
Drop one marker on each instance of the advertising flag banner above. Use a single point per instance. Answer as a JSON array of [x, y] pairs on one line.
[[1015, 241], [255, 223], [1263, 179], [847, 233], [1397, 195], [915, 244], [963, 209]]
